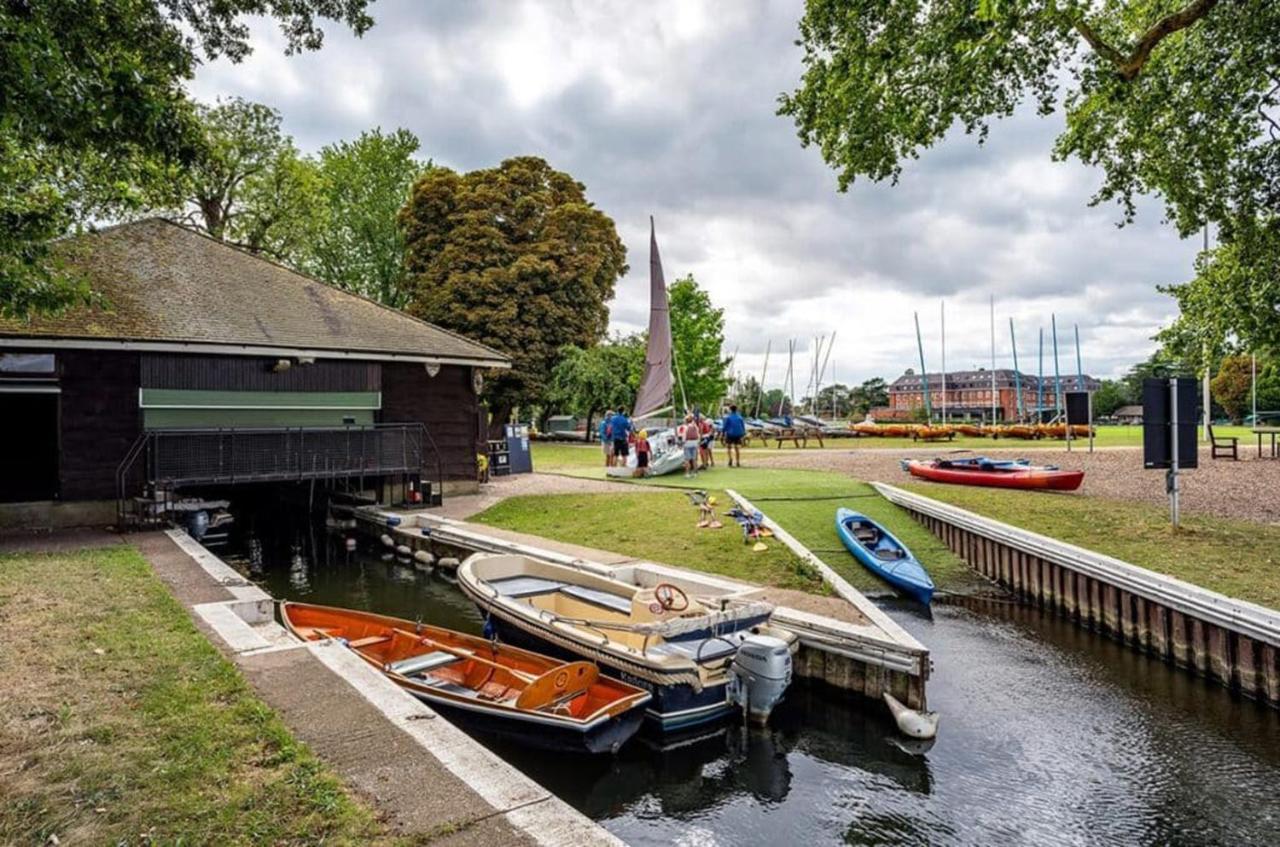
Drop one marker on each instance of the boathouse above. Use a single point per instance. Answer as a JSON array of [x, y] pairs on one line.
[[201, 364]]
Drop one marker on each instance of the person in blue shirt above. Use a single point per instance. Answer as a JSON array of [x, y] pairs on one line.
[[735, 429], [619, 430], [605, 441]]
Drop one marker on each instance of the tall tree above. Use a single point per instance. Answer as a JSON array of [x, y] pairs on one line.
[[697, 335], [515, 257], [870, 394], [1232, 388], [606, 376], [364, 184], [94, 116], [1111, 395], [1172, 97]]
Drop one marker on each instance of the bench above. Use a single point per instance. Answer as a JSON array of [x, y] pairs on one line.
[[1223, 446]]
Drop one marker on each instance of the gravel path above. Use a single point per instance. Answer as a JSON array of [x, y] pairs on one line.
[[1245, 490]]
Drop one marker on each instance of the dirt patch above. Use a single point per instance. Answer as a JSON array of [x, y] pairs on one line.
[[1245, 490]]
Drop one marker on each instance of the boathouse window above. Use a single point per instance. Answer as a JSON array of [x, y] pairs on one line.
[[27, 364]]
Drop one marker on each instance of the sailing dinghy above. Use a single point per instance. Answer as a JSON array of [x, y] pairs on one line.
[[491, 687]]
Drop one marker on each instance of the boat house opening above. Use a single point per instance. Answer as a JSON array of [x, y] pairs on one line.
[[201, 364]]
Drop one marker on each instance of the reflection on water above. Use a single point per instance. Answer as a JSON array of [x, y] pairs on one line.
[[1050, 735]]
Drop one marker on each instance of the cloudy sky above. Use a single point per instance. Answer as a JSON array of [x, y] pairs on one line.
[[667, 108]]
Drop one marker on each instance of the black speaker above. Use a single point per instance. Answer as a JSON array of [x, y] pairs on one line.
[[1157, 441], [1077, 407]]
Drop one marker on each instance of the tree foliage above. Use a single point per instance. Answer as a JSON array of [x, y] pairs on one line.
[[588, 381], [1232, 387], [357, 243], [871, 394], [1173, 97], [515, 257], [1110, 396], [697, 334], [94, 117]]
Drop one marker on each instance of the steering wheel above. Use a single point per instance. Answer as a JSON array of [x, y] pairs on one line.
[[668, 595]]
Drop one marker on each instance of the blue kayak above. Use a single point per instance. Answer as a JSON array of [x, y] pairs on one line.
[[883, 555]]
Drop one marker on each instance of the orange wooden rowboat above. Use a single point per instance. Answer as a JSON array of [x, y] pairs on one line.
[[495, 688]]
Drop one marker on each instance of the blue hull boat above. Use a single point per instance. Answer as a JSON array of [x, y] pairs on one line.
[[882, 554]]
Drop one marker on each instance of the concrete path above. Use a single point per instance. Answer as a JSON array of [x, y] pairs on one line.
[[426, 779]]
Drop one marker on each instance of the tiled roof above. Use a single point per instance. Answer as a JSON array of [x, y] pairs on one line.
[[163, 282]]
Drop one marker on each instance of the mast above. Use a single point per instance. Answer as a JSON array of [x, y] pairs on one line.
[[1079, 364], [1057, 374], [763, 373], [1017, 375], [944, 360], [924, 375], [1040, 382], [993, 358]]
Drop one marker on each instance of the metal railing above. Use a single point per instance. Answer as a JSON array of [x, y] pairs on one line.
[[165, 459]]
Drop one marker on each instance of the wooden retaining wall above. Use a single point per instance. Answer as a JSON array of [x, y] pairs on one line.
[[1232, 643]]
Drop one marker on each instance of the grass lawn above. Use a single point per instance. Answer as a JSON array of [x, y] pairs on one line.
[[1237, 558], [1107, 436], [661, 527], [121, 724]]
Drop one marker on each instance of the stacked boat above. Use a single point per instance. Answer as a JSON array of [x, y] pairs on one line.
[[701, 658]]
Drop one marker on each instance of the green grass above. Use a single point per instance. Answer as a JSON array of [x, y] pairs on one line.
[[1236, 558], [123, 725], [557, 454], [661, 526]]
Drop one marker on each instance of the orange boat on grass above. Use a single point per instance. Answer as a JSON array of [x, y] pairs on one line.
[[933, 433], [972, 430], [525, 696], [1017, 431]]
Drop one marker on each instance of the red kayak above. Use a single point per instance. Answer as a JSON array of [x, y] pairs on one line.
[[1017, 473]]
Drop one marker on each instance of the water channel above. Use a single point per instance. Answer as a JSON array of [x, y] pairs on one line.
[[1050, 735]]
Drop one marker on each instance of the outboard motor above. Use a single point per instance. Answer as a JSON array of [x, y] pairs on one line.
[[762, 669]]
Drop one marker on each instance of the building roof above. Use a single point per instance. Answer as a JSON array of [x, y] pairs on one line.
[[1128, 412], [166, 286], [910, 382]]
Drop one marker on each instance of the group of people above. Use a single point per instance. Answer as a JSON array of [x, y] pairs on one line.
[[618, 436]]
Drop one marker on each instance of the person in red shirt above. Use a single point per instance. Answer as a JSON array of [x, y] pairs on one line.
[[708, 433]]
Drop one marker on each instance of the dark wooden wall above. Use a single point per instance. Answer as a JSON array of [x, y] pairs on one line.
[[99, 419], [446, 403], [254, 373]]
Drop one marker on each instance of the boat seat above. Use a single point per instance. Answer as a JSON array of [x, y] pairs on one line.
[[524, 586], [596, 597], [422, 664], [451, 687], [717, 648], [889, 555]]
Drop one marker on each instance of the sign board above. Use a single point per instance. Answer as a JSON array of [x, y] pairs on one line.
[[1157, 416], [1077, 407]]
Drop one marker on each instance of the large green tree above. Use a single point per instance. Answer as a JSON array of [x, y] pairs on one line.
[[357, 243], [588, 381], [1111, 395], [1172, 97], [1232, 387], [697, 336], [94, 117], [515, 257]]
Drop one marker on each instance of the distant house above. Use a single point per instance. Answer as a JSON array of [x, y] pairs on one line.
[[206, 365], [1128, 415], [969, 394]]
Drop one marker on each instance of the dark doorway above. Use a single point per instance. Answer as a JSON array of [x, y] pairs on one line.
[[30, 425]]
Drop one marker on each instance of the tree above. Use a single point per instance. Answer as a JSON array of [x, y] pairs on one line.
[[871, 394], [1111, 395], [606, 376], [364, 183], [94, 117], [697, 334], [515, 257], [1172, 97], [1232, 388], [834, 400]]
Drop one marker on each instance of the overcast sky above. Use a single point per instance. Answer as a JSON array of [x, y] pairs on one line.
[[667, 108]]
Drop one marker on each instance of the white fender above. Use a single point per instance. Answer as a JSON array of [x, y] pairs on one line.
[[917, 724]]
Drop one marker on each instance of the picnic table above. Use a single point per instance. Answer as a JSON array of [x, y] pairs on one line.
[[1272, 431], [799, 436]]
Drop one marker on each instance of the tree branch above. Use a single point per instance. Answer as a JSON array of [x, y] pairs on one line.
[[1131, 65]]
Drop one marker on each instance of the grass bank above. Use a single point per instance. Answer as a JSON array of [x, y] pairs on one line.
[[1236, 558], [121, 724], [661, 527]]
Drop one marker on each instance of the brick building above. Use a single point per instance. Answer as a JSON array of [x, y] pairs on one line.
[[968, 393]]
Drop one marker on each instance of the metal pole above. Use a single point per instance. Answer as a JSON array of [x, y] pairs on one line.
[[1253, 382], [944, 361], [763, 373], [993, 359], [1173, 464], [1207, 400], [924, 375], [1080, 386], [1017, 375], [1040, 384], [1057, 374]]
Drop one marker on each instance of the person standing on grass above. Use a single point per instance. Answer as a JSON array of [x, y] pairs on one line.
[[606, 442], [735, 429], [620, 428], [690, 436], [708, 432], [642, 453]]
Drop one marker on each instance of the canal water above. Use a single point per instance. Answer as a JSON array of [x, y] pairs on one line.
[[1049, 735]]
